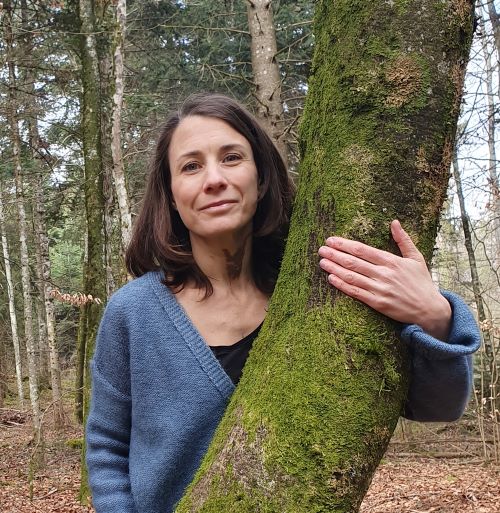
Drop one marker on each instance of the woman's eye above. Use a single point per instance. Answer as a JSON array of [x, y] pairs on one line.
[[190, 166], [232, 157]]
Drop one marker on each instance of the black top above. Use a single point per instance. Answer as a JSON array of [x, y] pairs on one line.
[[233, 357]]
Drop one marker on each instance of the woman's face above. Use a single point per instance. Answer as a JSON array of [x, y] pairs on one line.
[[214, 179]]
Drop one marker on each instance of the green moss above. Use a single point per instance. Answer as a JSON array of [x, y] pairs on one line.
[[326, 380], [74, 443]]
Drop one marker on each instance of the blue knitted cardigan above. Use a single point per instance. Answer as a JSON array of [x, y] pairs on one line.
[[158, 394]]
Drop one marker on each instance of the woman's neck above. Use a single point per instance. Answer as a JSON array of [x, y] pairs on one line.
[[227, 262]]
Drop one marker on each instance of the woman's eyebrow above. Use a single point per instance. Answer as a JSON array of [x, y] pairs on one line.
[[232, 146], [193, 153], [225, 147]]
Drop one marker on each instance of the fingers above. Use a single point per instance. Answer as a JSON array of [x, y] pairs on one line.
[[335, 261], [346, 274], [352, 290], [359, 250], [404, 242]]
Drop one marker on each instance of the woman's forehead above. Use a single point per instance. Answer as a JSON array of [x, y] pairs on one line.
[[202, 133]]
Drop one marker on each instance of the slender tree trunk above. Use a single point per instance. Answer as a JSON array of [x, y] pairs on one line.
[[46, 314], [41, 342], [12, 306], [325, 383], [495, 23], [492, 167], [466, 227], [94, 276], [82, 337], [45, 286], [23, 231], [265, 69], [3, 371], [116, 144], [27, 98], [103, 23], [487, 358]]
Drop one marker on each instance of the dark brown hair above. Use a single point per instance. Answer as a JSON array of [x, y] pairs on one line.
[[160, 241]]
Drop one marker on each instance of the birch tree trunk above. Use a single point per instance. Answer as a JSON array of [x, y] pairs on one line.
[[265, 70], [18, 179], [12, 306], [325, 383], [116, 143], [45, 312]]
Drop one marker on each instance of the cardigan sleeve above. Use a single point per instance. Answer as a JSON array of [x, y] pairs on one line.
[[109, 419], [442, 372]]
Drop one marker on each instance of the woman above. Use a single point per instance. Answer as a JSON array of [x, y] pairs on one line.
[[206, 250]]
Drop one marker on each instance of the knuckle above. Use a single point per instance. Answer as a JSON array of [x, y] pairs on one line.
[[358, 250], [350, 263], [349, 278], [354, 292], [380, 303]]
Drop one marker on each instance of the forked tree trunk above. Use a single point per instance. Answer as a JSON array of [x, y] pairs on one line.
[[265, 70], [325, 383]]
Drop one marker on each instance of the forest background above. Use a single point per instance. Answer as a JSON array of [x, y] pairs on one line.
[[83, 88]]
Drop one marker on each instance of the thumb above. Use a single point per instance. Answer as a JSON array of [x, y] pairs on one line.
[[404, 242]]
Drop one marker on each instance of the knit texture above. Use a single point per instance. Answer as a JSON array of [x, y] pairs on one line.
[[158, 394]]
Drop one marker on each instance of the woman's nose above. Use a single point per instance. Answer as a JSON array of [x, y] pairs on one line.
[[214, 178]]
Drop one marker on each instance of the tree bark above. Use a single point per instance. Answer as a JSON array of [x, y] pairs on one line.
[[492, 167], [12, 306], [94, 275], [116, 144], [103, 23], [45, 287], [326, 381], [23, 228], [265, 70], [466, 227], [45, 312]]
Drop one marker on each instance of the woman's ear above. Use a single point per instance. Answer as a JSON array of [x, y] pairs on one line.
[[260, 191]]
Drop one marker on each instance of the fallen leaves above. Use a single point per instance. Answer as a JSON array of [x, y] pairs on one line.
[[409, 484], [425, 485], [56, 484]]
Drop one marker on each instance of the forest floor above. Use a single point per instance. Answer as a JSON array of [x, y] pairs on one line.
[[419, 474]]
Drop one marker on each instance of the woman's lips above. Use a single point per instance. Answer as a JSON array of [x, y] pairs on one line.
[[218, 205]]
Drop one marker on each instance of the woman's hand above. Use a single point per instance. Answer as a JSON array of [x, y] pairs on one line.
[[399, 287]]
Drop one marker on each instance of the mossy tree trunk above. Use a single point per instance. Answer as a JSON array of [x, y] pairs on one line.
[[326, 381], [94, 279]]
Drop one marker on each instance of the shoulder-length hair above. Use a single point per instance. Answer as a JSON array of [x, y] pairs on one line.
[[160, 241]]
